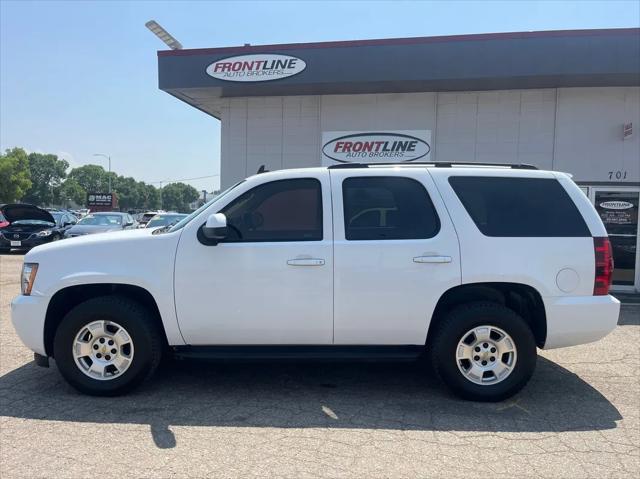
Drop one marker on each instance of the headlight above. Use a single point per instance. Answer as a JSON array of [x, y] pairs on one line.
[[44, 233], [29, 271]]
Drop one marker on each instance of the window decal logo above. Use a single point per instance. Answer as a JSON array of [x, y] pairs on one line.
[[616, 205]]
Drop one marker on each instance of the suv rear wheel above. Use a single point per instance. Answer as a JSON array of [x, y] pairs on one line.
[[107, 345], [483, 351]]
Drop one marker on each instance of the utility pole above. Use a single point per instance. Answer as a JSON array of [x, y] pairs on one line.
[[108, 157]]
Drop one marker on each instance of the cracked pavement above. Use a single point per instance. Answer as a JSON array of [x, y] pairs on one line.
[[578, 417]]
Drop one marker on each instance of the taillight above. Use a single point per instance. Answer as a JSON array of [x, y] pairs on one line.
[[604, 266]]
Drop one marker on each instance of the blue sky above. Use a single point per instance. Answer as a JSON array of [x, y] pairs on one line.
[[78, 78]]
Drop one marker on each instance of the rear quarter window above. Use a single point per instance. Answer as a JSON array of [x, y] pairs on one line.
[[519, 207]]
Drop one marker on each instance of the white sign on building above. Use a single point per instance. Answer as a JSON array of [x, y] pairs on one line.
[[255, 68], [396, 146]]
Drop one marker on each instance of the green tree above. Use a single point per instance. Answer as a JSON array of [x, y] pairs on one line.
[[71, 190], [150, 196], [47, 173], [177, 196], [14, 175], [91, 178], [128, 192]]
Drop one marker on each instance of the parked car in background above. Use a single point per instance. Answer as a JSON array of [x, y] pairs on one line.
[[102, 223], [30, 226], [165, 219], [65, 218], [145, 217], [3, 221]]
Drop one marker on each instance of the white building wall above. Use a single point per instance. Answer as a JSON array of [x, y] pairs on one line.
[[380, 112], [589, 141], [233, 152], [513, 126], [301, 124], [578, 130]]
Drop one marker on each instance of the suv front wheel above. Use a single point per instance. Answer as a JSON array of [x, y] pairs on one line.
[[483, 351], [107, 345]]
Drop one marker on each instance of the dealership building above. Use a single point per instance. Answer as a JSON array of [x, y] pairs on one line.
[[559, 100]]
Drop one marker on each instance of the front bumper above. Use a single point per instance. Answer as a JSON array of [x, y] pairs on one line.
[[573, 320], [28, 315], [25, 244]]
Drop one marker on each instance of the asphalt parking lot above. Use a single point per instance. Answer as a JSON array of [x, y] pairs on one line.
[[579, 417]]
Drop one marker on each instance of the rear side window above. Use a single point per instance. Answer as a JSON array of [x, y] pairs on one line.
[[519, 207], [282, 210], [387, 208]]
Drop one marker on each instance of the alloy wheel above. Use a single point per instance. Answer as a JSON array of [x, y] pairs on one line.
[[103, 350], [486, 355]]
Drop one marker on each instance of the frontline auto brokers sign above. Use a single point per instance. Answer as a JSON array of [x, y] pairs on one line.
[[258, 67], [375, 147]]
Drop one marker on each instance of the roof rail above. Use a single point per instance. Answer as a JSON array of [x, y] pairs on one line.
[[437, 164], [340, 166]]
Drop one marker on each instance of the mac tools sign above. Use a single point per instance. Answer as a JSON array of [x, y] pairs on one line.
[[258, 67], [375, 147]]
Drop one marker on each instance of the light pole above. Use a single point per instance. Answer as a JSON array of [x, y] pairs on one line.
[[108, 157], [163, 35]]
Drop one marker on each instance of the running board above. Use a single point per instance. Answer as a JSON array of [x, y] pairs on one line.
[[310, 353]]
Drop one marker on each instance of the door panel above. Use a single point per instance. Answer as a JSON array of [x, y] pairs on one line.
[[277, 291], [386, 288]]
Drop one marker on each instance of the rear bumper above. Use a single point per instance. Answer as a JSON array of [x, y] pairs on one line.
[[27, 315], [574, 320]]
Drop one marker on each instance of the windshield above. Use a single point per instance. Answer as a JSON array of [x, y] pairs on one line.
[[186, 220], [57, 216], [164, 220], [101, 220]]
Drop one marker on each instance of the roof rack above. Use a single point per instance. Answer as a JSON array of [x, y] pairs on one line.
[[437, 164]]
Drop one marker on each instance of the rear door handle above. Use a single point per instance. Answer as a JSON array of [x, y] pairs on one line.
[[432, 259], [306, 262]]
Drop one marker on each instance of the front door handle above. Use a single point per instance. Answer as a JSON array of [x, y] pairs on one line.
[[306, 262], [432, 259]]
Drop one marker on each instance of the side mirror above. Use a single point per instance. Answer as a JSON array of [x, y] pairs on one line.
[[128, 224], [216, 227], [66, 223]]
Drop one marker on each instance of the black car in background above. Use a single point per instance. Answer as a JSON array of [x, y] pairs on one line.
[[31, 226]]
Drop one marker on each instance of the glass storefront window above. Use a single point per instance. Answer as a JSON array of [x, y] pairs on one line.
[[619, 213]]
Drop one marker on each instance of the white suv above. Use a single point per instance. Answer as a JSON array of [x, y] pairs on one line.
[[473, 265]]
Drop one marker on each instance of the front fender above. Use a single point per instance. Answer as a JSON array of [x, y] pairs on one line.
[[132, 258]]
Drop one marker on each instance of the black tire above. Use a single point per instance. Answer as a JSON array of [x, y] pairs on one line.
[[449, 331], [143, 330]]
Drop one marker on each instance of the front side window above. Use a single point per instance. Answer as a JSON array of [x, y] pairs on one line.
[[387, 208], [283, 210]]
